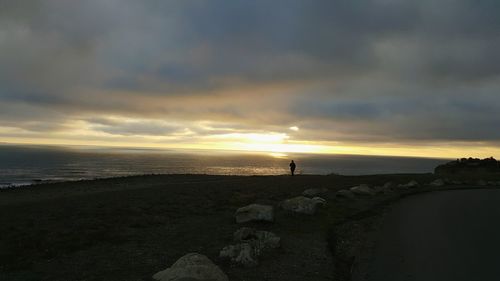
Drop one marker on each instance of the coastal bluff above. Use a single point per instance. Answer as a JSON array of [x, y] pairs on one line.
[[469, 166]]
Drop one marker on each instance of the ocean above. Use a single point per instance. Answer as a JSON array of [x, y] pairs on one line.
[[24, 165]]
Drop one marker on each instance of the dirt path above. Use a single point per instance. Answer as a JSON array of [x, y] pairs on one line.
[[449, 235]]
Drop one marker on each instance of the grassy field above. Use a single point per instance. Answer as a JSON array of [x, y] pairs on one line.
[[130, 228]]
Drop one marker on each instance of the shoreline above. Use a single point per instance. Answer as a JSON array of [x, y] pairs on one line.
[[139, 225], [38, 181]]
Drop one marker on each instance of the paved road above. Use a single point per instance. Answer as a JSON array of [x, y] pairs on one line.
[[451, 235]]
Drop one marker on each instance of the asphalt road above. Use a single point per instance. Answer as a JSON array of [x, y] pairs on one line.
[[451, 235]]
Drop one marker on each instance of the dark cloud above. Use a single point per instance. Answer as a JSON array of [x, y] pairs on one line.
[[370, 70], [134, 127]]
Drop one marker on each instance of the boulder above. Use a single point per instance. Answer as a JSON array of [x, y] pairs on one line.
[[261, 239], [255, 212], [362, 189], [267, 240], [411, 184], [389, 185], [382, 189], [193, 266], [242, 253], [313, 192], [251, 245], [437, 183], [344, 193], [481, 182], [245, 234], [303, 205]]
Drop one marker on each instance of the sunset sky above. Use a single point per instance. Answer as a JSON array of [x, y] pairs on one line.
[[378, 77]]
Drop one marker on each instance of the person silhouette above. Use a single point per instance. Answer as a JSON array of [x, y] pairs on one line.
[[292, 167]]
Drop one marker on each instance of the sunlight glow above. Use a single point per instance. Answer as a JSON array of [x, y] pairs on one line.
[[276, 144], [278, 155], [270, 138], [271, 142], [437, 150]]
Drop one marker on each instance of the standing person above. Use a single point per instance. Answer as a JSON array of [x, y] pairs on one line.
[[292, 167]]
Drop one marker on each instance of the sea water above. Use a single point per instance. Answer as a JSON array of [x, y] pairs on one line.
[[22, 165]]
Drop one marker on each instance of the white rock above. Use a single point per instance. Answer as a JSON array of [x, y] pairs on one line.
[[389, 185], [344, 193], [261, 239], [303, 204], [192, 266], [246, 256], [381, 189], [244, 234], [267, 240], [251, 245], [312, 192], [401, 187], [411, 184], [242, 253], [437, 183], [362, 189], [255, 212]]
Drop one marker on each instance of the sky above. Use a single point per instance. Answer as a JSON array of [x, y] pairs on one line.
[[376, 77]]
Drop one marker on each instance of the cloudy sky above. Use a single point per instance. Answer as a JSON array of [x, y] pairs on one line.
[[388, 77]]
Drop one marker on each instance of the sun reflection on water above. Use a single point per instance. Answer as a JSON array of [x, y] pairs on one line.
[[278, 155]]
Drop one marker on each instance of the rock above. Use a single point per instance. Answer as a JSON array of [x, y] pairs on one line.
[[382, 189], [401, 187], [437, 183], [192, 266], [267, 240], [411, 184], [263, 239], [362, 189], [252, 244], [243, 254], [312, 192], [303, 205], [492, 183], [255, 212], [247, 256], [344, 193], [481, 182], [385, 189], [244, 234], [389, 185]]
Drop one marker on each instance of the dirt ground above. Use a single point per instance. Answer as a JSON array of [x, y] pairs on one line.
[[130, 228]]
